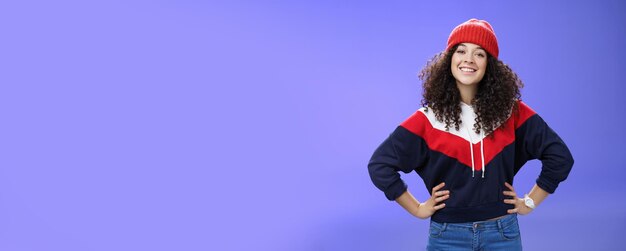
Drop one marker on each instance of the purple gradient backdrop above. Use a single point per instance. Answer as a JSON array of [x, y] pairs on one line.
[[188, 125]]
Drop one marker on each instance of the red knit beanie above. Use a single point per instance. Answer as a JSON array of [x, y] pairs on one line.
[[477, 32]]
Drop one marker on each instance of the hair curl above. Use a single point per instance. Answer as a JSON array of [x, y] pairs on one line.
[[493, 103]]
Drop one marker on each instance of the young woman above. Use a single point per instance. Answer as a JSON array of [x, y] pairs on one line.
[[467, 142]]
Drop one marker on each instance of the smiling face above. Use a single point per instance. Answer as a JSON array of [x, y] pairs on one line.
[[469, 63]]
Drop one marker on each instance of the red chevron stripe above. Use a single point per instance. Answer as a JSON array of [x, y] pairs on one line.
[[457, 147]]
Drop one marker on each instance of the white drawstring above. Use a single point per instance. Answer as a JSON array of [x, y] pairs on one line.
[[471, 149], [482, 154]]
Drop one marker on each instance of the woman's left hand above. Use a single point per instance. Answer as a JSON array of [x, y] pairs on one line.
[[520, 206]]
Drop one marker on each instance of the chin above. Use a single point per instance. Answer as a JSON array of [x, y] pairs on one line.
[[467, 83]]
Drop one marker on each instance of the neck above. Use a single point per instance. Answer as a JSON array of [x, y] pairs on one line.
[[467, 92]]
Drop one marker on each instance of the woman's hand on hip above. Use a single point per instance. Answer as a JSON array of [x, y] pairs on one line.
[[434, 203], [520, 206]]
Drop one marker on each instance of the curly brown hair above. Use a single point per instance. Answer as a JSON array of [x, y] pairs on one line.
[[495, 98]]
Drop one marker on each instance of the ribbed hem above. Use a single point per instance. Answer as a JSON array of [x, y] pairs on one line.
[[471, 214]]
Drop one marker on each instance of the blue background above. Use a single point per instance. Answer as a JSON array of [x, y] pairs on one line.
[[193, 125]]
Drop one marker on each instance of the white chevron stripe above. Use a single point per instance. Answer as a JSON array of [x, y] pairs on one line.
[[468, 117]]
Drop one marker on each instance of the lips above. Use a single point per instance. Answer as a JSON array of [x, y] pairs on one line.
[[467, 69]]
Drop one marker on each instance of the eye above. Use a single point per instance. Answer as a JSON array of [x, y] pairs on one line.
[[460, 51], [480, 54]]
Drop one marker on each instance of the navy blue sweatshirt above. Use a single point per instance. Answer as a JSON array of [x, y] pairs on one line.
[[473, 166]]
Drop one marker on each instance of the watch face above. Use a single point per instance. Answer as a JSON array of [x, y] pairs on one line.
[[529, 202]]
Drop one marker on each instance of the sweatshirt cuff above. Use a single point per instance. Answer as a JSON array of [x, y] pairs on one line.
[[547, 184], [395, 190]]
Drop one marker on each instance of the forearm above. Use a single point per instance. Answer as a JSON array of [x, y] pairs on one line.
[[537, 194], [409, 203]]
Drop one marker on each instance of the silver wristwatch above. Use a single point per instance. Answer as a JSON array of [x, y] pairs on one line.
[[529, 202]]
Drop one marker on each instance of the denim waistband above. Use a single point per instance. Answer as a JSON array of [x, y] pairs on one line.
[[503, 222]]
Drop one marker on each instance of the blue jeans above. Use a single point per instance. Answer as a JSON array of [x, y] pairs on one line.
[[500, 234]]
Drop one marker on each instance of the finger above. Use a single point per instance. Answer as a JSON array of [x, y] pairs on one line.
[[440, 206], [510, 193], [441, 193], [442, 198], [507, 201], [509, 186], [435, 189], [512, 211]]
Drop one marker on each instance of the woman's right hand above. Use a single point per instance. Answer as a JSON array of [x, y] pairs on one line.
[[430, 206]]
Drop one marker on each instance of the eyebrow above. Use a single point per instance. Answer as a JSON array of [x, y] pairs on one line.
[[476, 47]]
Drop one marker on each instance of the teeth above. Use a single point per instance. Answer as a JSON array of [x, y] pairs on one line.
[[467, 69]]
